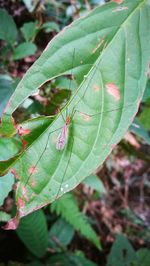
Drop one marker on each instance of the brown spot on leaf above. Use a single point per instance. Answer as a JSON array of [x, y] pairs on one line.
[[11, 224], [98, 46], [33, 169], [14, 172], [20, 203], [120, 8], [118, 1], [96, 88], [113, 90], [24, 193], [24, 143], [55, 139], [22, 131], [33, 183], [24, 190], [85, 117], [148, 71]]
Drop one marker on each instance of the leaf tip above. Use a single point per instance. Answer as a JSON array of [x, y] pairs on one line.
[[11, 224]]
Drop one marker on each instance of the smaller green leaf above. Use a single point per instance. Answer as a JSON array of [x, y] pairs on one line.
[[122, 253], [8, 30], [65, 259], [23, 50], [6, 183], [29, 30], [144, 118], [68, 209], [33, 233], [4, 217], [63, 232], [95, 183], [143, 257], [140, 131], [50, 26]]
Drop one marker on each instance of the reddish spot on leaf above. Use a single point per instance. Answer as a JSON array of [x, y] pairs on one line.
[[24, 193], [14, 172], [33, 183], [24, 143], [148, 71], [22, 131], [96, 88], [33, 169], [113, 90], [11, 224], [85, 117], [118, 1], [20, 203], [24, 189]]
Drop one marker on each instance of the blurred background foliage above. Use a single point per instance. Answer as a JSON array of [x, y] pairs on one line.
[[111, 206]]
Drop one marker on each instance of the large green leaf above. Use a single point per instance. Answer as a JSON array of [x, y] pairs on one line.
[[111, 46]]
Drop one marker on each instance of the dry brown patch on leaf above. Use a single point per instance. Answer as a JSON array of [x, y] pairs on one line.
[[113, 90], [118, 1]]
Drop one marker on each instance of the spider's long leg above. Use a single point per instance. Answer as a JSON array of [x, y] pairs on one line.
[[107, 111], [41, 155]]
